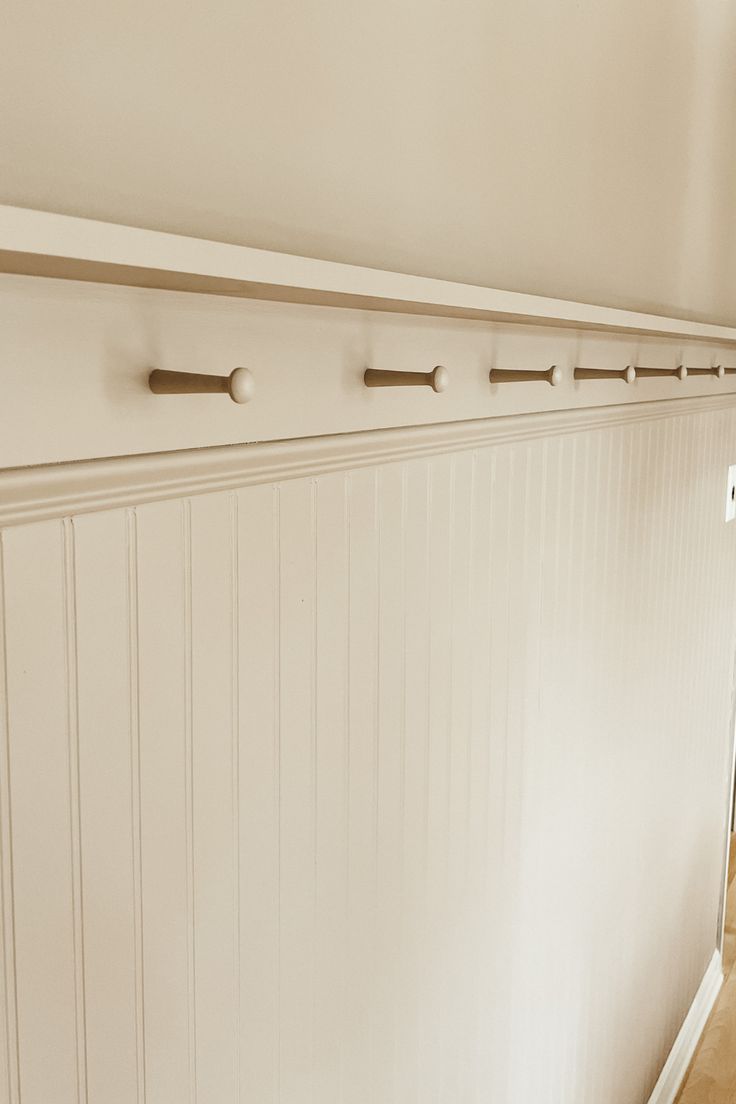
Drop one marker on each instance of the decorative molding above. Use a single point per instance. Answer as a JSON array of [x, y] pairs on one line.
[[58, 490], [688, 1037], [39, 243]]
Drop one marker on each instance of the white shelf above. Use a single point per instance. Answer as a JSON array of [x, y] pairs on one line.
[[38, 243]]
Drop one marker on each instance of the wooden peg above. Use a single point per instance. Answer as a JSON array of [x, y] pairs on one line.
[[437, 379], [627, 374], [717, 370], [239, 385], [552, 376], [680, 372]]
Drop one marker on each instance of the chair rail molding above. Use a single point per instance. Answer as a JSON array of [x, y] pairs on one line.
[[57, 490]]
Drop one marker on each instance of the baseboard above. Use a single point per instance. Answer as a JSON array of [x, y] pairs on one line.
[[689, 1034]]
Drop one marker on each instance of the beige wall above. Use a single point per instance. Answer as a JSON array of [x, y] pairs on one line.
[[584, 151], [397, 783]]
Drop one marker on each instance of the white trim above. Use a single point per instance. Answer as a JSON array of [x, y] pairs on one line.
[[58, 490], [40, 243], [688, 1037]]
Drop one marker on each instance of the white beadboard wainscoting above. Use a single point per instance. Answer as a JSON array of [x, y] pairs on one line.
[[402, 780]]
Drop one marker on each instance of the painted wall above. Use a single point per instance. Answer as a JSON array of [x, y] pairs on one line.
[[581, 150], [391, 784]]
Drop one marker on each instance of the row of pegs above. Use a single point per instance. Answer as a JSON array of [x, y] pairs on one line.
[[240, 384]]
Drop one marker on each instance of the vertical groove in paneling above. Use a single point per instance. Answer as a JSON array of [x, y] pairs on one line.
[[430, 858], [258, 782], [590, 981], [99, 680], [235, 780], [612, 572], [481, 1063], [498, 889], [75, 844], [330, 785], [416, 491], [213, 832], [276, 559], [400, 830], [379, 1068], [460, 889], [530, 970], [662, 614], [135, 789], [437, 842], [469, 645], [345, 903], [10, 1006], [550, 839], [360, 1070], [389, 727], [515, 825], [400, 1047], [165, 832], [296, 804], [379, 1057], [382, 1057], [314, 769], [560, 631], [186, 508]]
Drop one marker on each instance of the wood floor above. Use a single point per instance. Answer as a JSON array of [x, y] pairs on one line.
[[711, 1078]]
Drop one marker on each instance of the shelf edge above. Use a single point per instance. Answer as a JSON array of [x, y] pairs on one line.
[[39, 243]]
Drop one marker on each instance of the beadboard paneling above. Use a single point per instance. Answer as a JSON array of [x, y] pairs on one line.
[[399, 783]]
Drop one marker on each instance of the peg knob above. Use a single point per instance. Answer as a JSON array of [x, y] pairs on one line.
[[242, 385], [440, 379]]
